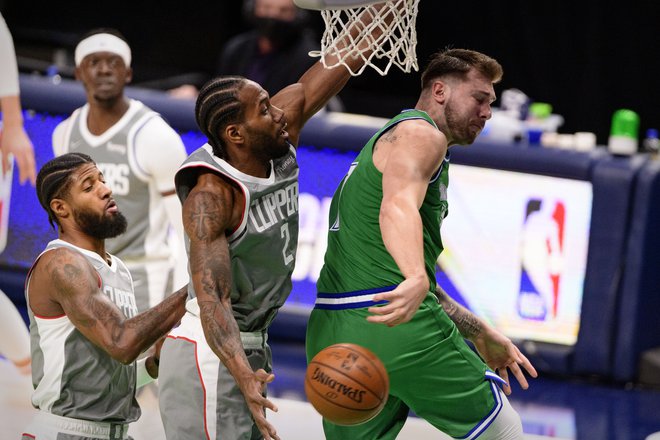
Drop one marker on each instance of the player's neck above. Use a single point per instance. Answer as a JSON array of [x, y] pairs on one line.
[[249, 165], [103, 114], [84, 241]]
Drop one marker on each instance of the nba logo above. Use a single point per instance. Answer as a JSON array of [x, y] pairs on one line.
[[542, 247], [5, 196]]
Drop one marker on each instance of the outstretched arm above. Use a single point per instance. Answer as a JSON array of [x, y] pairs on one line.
[[73, 285], [318, 84], [497, 350], [207, 215]]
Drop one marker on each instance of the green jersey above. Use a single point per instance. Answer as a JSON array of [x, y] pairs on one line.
[[356, 258]]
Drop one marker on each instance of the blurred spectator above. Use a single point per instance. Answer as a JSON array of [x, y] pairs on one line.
[[275, 53], [13, 139], [15, 340]]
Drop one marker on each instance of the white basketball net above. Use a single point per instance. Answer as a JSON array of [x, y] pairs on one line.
[[395, 46]]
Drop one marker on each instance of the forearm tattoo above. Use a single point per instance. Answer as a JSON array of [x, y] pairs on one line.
[[221, 329], [465, 321], [211, 271], [78, 293]]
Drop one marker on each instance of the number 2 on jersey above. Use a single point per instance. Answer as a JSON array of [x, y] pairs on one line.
[[284, 233]]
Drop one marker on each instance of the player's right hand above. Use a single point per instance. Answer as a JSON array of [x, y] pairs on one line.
[[257, 403], [403, 302]]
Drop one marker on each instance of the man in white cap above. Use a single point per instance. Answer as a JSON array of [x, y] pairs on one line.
[[138, 154]]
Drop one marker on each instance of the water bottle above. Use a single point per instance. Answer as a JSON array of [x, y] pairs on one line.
[[651, 141]]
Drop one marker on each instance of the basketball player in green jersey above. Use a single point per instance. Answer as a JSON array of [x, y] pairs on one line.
[[377, 287]]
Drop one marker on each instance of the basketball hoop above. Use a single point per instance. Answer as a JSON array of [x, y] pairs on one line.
[[395, 46]]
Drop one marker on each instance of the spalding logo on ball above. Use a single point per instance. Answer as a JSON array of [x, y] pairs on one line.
[[347, 384]]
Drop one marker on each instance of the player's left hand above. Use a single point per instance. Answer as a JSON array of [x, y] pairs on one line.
[[502, 356]]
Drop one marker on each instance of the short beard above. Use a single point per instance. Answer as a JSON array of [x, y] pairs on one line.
[[101, 227], [267, 145], [459, 133]]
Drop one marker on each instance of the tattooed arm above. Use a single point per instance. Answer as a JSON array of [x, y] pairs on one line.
[[497, 350], [211, 209], [63, 282]]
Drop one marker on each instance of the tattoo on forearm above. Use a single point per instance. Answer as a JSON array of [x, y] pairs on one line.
[[77, 291], [206, 220], [465, 321], [222, 329]]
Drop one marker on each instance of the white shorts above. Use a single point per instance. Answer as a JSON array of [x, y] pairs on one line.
[[198, 397]]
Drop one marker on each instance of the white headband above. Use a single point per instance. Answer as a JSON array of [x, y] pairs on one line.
[[103, 43]]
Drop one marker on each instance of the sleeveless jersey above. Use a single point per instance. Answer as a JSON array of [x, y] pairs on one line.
[[263, 246], [137, 198], [72, 377], [356, 258]]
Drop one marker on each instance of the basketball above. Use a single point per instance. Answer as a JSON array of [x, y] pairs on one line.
[[347, 384]]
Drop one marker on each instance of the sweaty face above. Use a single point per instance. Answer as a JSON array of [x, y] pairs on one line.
[[469, 107], [93, 208], [104, 76], [264, 125]]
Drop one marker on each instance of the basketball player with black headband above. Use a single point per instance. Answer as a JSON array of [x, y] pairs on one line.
[[85, 329], [240, 214]]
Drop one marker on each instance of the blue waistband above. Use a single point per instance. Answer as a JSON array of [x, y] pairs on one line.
[[350, 300]]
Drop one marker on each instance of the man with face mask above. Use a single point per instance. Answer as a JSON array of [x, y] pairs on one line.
[[275, 53]]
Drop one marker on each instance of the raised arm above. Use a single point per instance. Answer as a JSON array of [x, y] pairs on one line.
[[407, 155], [73, 286], [208, 213], [318, 84], [497, 351]]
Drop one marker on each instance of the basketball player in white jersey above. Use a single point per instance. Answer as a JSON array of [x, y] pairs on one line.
[[14, 343], [85, 329], [138, 154], [240, 210]]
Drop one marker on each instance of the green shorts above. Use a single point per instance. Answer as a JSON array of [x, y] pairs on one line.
[[432, 371]]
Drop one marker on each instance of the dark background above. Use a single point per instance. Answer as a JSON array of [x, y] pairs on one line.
[[587, 58]]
